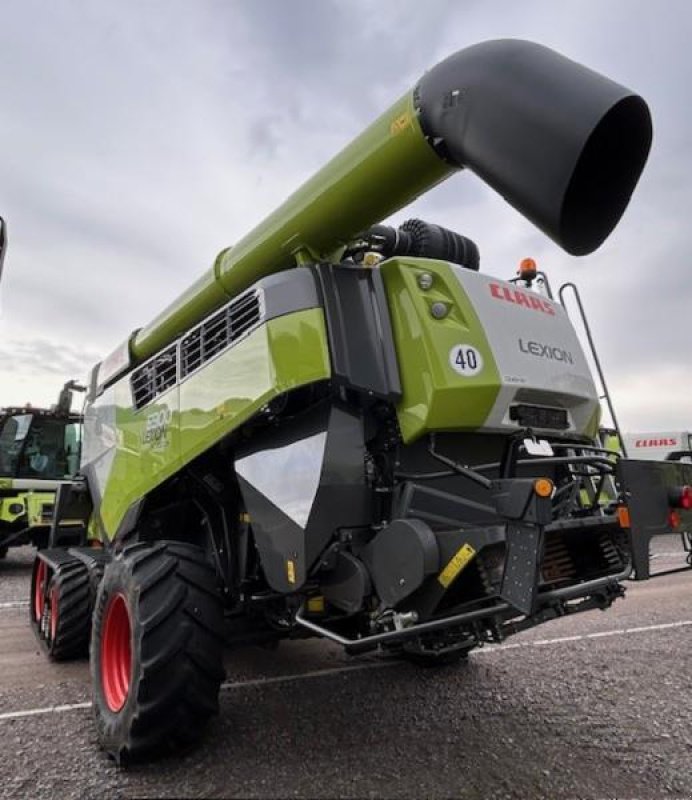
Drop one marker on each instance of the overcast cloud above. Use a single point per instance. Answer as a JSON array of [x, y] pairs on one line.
[[140, 138]]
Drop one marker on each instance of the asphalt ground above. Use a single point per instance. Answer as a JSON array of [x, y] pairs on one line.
[[598, 705]]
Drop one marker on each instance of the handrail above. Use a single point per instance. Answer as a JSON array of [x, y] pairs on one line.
[[606, 393]]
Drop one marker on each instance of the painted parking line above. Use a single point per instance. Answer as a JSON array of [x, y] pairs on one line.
[[584, 637], [14, 604], [35, 712], [321, 673], [229, 685]]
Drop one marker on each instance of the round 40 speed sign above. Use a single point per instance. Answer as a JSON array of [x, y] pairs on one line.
[[465, 360]]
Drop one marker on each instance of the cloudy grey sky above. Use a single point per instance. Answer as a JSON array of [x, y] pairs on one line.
[[137, 139]]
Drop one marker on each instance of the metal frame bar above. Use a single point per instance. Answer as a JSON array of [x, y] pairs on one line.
[[369, 642]]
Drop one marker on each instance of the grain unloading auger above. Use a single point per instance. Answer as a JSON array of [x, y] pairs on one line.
[[346, 430]]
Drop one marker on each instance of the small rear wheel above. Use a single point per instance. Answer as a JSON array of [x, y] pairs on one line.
[[3, 552], [60, 608], [69, 612], [156, 649], [37, 600]]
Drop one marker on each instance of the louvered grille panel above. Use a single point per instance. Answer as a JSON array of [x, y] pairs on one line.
[[154, 377], [199, 346], [218, 332]]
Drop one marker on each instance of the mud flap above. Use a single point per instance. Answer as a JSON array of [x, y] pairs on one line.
[[526, 513], [520, 579]]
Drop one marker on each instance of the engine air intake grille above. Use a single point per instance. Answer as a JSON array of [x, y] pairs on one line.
[[540, 417], [154, 377], [219, 331]]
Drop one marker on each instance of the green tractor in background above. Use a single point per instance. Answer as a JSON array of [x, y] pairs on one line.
[[39, 450]]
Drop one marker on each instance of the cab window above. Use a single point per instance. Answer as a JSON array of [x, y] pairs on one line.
[[12, 435], [51, 449]]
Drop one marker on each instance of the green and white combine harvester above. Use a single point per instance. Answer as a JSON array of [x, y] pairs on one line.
[[346, 430], [39, 451]]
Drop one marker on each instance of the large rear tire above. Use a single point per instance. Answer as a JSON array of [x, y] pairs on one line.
[[156, 650]]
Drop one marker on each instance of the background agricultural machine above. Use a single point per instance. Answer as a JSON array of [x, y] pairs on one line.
[[660, 446], [39, 451], [674, 448], [346, 430]]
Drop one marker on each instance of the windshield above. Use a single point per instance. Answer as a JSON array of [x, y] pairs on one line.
[[12, 435], [39, 447]]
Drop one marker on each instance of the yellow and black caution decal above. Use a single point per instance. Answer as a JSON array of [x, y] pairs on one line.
[[455, 565]]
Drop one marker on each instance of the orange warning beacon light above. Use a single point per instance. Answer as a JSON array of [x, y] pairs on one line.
[[527, 270]]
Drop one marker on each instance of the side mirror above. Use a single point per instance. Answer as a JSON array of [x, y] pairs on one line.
[[3, 243], [65, 397]]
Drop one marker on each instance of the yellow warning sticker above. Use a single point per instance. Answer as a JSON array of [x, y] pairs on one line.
[[291, 571], [457, 562], [316, 604], [400, 123]]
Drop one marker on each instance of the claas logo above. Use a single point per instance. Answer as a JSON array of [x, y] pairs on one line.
[[519, 298]]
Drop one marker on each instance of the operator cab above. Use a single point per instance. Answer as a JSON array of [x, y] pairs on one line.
[[39, 444]]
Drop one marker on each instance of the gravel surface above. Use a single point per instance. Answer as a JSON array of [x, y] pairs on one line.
[[600, 717], [14, 569]]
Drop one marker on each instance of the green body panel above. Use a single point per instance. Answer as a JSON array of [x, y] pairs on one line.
[[7, 516], [434, 396], [611, 442], [33, 508], [593, 424], [382, 170], [287, 352], [156, 441], [140, 463]]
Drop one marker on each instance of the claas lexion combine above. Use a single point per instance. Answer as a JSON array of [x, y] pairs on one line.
[[346, 430]]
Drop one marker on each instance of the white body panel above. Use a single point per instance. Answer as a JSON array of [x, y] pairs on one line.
[[656, 446], [536, 350]]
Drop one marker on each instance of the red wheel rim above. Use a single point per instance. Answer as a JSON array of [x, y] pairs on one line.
[[116, 653], [54, 600], [39, 589]]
